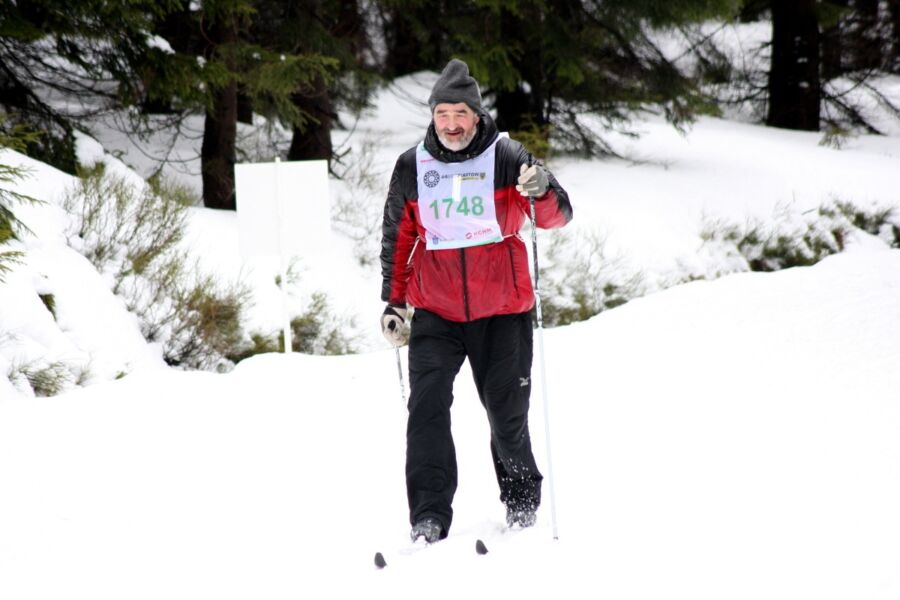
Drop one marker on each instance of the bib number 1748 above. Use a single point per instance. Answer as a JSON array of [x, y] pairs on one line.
[[445, 207]]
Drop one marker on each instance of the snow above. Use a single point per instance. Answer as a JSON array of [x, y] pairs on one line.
[[734, 438]]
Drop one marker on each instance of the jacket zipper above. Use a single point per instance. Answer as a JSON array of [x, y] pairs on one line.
[[465, 279]]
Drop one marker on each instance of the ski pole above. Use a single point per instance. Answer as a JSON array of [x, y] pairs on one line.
[[540, 328], [400, 374]]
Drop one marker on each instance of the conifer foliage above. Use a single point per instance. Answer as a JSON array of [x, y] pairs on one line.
[[235, 63], [548, 64], [64, 63], [10, 225]]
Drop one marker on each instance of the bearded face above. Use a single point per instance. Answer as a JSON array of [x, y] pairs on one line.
[[455, 125]]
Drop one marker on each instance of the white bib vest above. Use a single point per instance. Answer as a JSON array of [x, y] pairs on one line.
[[456, 200]]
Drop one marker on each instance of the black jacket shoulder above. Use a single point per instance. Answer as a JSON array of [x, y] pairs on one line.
[[403, 181], [509, 156]]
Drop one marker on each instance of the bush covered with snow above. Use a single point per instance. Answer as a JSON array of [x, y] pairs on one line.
[[131, 234], [792, 239]]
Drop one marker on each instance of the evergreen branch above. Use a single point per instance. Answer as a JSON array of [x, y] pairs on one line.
[[696, 44], [850, 111]]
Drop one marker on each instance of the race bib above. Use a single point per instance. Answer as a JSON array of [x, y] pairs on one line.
[[456, 200]]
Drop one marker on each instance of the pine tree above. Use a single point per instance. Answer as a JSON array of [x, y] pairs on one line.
[[416, 33], [11, 227], [173, 56], [329, 28], [85, 52], [543, 67], [238, 64], [825, 61]]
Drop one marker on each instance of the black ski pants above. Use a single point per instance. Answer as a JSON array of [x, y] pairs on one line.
[[499, 350]]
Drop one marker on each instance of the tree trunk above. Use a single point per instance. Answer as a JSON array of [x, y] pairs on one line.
[[895, 46], [832, 41], [244, 108], [863, 39], [217, 154], [313, 141], [794, 85], [402, 48], [519, 110], [415, 38], [178, 28]]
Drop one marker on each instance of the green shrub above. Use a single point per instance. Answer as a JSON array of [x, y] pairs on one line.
[[205, 323], [259, 343], [580, 281], [792, 240], [315, 331], [49, 301], [122, 227], [787, 241], [45, 378], [835, 136], [879, 221], [132, 233], [536, 138]]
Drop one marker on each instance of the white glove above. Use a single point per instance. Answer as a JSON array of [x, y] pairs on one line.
[[393, 325], [532, 180]]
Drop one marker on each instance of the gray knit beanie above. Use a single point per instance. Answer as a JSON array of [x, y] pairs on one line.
[[456, 85]]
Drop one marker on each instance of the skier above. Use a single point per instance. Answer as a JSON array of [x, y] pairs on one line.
[[452, 253]]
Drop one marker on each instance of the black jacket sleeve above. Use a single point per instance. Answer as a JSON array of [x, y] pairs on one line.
[[398, 230]]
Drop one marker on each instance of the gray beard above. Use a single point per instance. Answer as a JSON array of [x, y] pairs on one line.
[[462, 144]]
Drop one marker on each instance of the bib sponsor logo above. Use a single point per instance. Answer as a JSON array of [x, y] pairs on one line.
[[474, 235], [431, 178]]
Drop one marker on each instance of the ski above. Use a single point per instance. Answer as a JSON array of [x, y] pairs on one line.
[[381, 563]]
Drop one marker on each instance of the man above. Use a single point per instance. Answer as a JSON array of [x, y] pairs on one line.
[[451, 250]]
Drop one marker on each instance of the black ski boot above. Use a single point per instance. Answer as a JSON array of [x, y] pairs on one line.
[[428, 528]]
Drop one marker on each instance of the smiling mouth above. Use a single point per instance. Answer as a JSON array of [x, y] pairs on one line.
[[454, 139]]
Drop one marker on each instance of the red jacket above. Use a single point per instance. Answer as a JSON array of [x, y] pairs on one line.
[[467, 283]]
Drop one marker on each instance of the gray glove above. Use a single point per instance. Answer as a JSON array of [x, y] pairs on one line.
[[532, 180], [393, 325]]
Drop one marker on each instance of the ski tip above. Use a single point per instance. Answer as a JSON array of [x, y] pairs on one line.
[[379, 560], [480, 548]]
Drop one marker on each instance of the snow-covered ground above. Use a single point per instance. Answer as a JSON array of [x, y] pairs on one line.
[[735, 438]]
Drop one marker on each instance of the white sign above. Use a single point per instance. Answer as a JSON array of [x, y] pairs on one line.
[[283, 209]]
